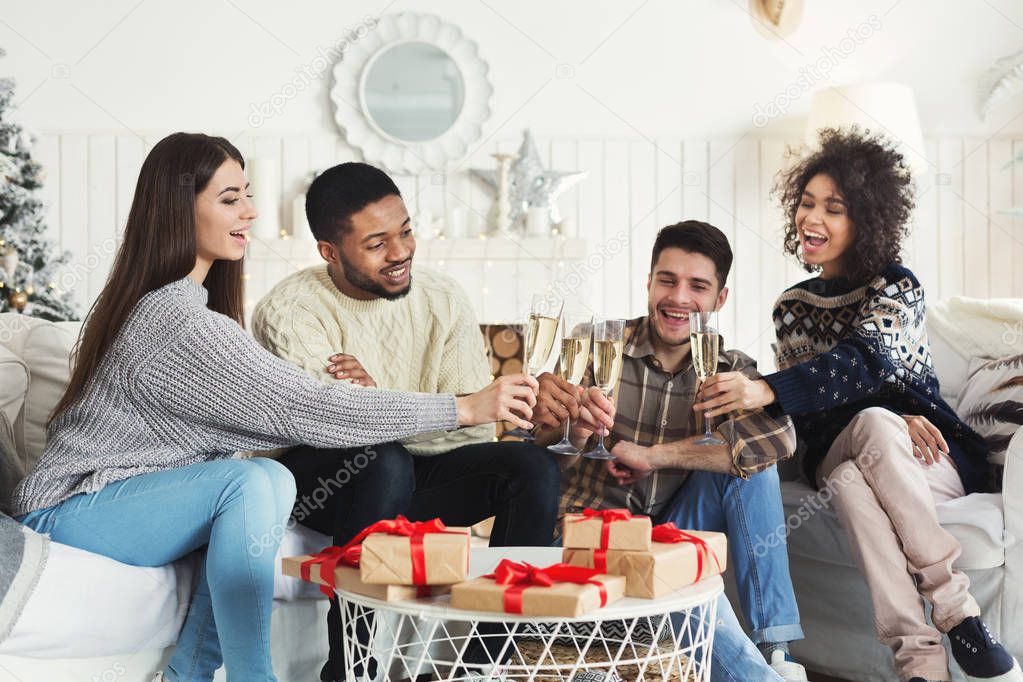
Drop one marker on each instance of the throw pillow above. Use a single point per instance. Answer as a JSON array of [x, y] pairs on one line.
[[992, 404]]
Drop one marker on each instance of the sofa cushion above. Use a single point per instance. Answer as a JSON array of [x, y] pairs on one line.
[[13, 388], [992, 402], [951, 366], [13, 384], [46, 351], [976, 521]]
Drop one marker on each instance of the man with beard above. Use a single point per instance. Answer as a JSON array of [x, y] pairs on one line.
[[661, 471], [364, 317]]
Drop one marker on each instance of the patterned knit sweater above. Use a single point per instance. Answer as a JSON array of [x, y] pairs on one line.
[[843, 348], [426, 341], [182, 384]]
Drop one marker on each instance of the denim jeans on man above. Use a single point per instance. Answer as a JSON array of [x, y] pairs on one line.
[[748, 511], [221, 507]]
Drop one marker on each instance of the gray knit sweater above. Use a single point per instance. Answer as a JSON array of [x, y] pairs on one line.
[[182, 384]]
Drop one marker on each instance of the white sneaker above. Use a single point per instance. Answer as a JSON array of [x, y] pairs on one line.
[[786, 667]]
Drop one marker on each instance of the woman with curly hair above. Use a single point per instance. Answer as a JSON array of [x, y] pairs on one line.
[[856, 377]]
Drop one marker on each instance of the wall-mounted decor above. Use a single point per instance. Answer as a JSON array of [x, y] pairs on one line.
[[412, 94], [533, 191], [775, 19], [1000, 82]]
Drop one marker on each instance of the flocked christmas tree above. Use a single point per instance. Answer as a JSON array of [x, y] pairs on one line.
[[29, 269]]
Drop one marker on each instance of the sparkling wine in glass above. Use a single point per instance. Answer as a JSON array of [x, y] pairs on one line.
[[705, 346], [608, 357], [577, 328], [541, 330]]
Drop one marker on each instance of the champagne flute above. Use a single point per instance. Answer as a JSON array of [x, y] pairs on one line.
[[705, 341], [577, 327], [608, 357], [541, 330]]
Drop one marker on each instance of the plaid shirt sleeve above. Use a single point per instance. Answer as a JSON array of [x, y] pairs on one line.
[[757, 438]]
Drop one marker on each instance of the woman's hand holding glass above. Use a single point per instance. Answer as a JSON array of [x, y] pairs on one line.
[[729, 391], [509, 398]]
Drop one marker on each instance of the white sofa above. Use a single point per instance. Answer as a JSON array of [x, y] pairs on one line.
[[93, 618], [834, 602]]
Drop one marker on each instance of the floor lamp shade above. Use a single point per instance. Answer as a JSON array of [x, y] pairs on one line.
[[886, 108]]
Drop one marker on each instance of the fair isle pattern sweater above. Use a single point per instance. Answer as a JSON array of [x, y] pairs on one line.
[[427, 341], [182, 384], [843, 348]]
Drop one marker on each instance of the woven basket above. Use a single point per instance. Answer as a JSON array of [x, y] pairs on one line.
[[567, 656]]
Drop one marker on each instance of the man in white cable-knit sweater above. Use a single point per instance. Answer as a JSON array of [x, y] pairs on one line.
[[369, 317]]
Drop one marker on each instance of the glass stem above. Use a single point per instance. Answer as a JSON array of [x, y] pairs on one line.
[[568, 425]]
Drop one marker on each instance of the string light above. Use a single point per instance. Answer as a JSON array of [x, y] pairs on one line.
[[246, 276]]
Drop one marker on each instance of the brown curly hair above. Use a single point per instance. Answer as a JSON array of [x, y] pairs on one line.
[[875, 181]]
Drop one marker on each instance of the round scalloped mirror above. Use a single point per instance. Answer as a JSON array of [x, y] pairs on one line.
[[412, 94]]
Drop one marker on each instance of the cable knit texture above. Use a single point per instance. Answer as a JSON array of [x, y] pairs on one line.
[[427, 341], [182, 384]]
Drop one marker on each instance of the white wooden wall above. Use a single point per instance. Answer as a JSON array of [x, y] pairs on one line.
[[961, 245]]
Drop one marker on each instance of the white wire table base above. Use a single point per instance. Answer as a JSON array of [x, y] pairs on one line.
[[403, 644]]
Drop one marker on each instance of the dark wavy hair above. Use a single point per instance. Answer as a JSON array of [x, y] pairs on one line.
[[875, 181]]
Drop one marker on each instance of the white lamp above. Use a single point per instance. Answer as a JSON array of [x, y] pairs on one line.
[[887, 108]]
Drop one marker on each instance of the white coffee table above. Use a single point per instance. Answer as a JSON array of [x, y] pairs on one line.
[[428, 637]]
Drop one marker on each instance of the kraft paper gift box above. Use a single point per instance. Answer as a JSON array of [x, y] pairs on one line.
[[665, 568], [388, 559], [347, 578], [606, 529], [559, 599]]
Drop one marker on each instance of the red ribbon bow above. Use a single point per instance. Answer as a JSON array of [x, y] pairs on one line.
[[607, 517], [669, 532], [351, 552], [519, 577], [328, 559], [415, 532]]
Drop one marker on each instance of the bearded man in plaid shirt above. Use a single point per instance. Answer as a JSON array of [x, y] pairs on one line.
[[661, 472]]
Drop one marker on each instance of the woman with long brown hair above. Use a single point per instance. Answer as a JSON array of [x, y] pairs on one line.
[[166, 385]]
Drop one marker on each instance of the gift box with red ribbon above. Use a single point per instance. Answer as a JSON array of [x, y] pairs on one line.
[[676, 559], [400, 552], [559, 590], [607, 529], [335, 567]]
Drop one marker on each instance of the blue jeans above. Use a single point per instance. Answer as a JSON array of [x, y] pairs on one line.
[[223, 507], [734, 658], [747, 511]]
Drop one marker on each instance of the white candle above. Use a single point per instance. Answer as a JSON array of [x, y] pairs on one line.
[[299, 225], [568, 227], [265, 186], [538, 222], [457, 224]]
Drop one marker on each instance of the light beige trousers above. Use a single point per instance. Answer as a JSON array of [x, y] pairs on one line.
[[885, 499]]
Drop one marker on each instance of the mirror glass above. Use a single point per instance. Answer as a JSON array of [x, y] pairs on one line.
[[413, 91]]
